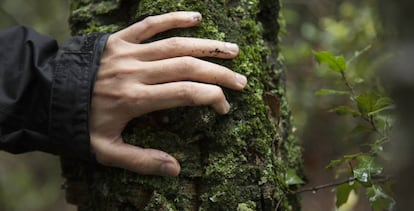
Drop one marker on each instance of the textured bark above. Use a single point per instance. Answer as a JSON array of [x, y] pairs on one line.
[[232, 162]]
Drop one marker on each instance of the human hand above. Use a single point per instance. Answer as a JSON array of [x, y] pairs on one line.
[[135, 79]]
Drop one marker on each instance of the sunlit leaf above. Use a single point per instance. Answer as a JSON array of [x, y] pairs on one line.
[[336, 63], [343, 191], [382, 104], [331, 92], [345, 110], [366, 102], [379, 200], [340, 60], [336, 163], [366, 168], [291, 178]]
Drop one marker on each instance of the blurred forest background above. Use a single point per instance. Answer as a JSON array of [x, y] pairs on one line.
[[32, 181]]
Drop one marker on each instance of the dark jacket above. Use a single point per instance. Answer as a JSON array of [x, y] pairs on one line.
[[45, 91]]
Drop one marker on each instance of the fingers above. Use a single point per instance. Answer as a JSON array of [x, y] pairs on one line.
[[189, 68], [142, 161], [181, 46], [153, 25], [177, 94]]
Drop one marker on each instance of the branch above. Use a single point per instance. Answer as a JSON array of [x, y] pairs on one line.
[[369, 119], [351, 89], [324, 186], [376, 178]]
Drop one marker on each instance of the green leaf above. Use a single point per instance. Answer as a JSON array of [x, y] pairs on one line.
[[382, 104], [343, 191], [370, 103], [336, 63], [379, 200], [366, 102], [336, 163], [291, 178], [376, 147], [345, 110], [361, 129], [366, 168], [340, 60], [331, 92]]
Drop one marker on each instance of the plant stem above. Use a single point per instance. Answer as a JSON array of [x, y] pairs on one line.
[[377, 178], [351, 89]]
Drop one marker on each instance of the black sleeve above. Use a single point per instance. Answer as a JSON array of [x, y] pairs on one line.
[[45, 91]]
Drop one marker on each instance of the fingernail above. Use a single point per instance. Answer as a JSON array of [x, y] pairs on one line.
[[227, 107], [167, 168], [233, 48], [241, 79], [195, 16]]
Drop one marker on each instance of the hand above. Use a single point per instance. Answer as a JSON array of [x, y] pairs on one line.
[[135, 79]]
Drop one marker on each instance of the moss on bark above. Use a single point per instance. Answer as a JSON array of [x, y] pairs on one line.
[[231, 162]]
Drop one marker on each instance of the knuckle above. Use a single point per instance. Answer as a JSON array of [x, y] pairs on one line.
[[173, 42], [131, 95], [218, 94], [186, 93], [149, 22], [128, 95], [187, 63]]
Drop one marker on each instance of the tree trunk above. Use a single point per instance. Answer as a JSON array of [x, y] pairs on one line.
[[232, 162]]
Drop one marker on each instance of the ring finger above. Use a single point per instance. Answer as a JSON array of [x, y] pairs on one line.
[[177, 94]]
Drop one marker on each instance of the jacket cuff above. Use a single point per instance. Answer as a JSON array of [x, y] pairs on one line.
[[76, 65]]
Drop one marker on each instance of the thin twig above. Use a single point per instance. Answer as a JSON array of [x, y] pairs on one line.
[[347, 84], [369, 119], [376, 178], [350, 166], [280, 202], [324, 186]]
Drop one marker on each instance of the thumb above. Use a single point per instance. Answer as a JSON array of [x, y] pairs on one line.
[[137, 159]]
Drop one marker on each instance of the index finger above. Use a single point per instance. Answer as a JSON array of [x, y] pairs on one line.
[[153, 25]]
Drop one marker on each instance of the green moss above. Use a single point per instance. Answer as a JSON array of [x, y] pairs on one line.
[[102, 29], [247, 206], [235, 161]]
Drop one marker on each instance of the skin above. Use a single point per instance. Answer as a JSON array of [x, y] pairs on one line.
[[135, 79]]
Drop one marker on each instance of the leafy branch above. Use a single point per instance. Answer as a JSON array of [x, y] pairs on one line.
[[369, 107], [376, 178]]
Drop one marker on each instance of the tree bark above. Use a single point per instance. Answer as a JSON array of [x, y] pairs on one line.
[[232, 162]]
